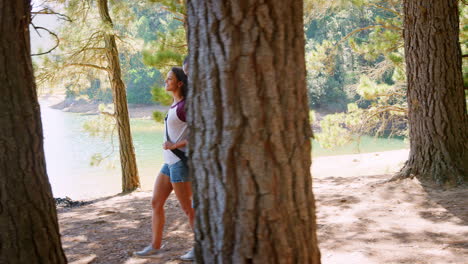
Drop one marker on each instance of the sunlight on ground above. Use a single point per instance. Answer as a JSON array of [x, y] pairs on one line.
[[361, 219], [84, 260]]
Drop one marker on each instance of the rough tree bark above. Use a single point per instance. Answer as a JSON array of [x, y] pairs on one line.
[[437, 109], [130, 178], [250, 136], [29, 232]]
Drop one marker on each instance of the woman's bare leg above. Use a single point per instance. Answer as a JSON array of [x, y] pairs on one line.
[[183, 191], [162, 189]]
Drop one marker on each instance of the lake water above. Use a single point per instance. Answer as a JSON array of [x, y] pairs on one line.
[[68, 149]]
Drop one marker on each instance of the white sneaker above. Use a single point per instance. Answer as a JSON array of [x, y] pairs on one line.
[[147, 252], [189, 256]]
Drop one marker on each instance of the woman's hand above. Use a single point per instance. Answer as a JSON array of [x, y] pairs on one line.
[[168, 145]]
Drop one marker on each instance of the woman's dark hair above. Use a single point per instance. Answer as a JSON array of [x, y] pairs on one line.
[[181, 77]]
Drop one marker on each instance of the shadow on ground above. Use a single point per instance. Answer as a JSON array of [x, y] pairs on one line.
[[453, 200], [111, 229], [368, 220], [360, 220]]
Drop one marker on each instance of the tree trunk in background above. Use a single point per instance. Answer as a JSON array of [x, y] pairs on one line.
[[437, 109], [130, 178], [29, 232], [250, 137]]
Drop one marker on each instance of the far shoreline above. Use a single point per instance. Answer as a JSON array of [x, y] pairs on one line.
[[88, 107], [136, 111]]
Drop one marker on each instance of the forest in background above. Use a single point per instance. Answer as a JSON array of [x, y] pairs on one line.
[[354, 57]]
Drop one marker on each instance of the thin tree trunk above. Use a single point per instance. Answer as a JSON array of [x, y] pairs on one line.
[[250, 138], [130, 179], [29, 232], [438, 120]]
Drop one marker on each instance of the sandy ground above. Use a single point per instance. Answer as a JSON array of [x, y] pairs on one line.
[[361, 219]]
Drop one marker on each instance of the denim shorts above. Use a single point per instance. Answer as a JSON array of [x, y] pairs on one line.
[[177, 172]]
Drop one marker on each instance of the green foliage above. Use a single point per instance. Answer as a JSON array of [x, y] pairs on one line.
[[325, 79], [161, 96], [103, 125], [355, 55], [342, 128], [348, 40], [159, 116], [332, 65], [332, 134], [170, 47], [96, 159], [312, 116], [139, 79], [80, 59], [95, 92], [370, 90], [316, 9], [82, 44], [174, 6], [464, 40], [151, 39], [163, 58]]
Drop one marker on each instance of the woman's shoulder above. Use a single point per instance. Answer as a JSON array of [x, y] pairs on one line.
[[181, 113]]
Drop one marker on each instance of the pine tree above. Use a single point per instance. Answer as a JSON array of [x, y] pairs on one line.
[[29, 231], [438, 118], [250, 135], [89, 49]]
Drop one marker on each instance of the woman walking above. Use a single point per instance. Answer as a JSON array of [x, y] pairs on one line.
[[174, 173]]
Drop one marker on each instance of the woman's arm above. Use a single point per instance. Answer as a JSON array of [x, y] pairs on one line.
[[180, 144], [170, 145]]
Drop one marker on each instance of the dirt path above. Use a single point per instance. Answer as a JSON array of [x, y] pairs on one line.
[[360, 219]]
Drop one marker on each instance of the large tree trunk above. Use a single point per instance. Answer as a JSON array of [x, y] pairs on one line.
[[250, 138], [29, 231], [436, 99], [130, 179]]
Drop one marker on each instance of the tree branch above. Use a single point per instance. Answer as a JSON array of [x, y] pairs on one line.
[[80, 51], [394, 48], [57, 40], [47, 11], [87, 65], [108, 114], [165, 8], [390, 94], [91, 38], [366, 28], [390, 108], [177, 46], [386, 9], [180, 19]]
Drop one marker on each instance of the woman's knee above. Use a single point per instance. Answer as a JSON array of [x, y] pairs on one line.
[[157, 205], [187, 208]]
